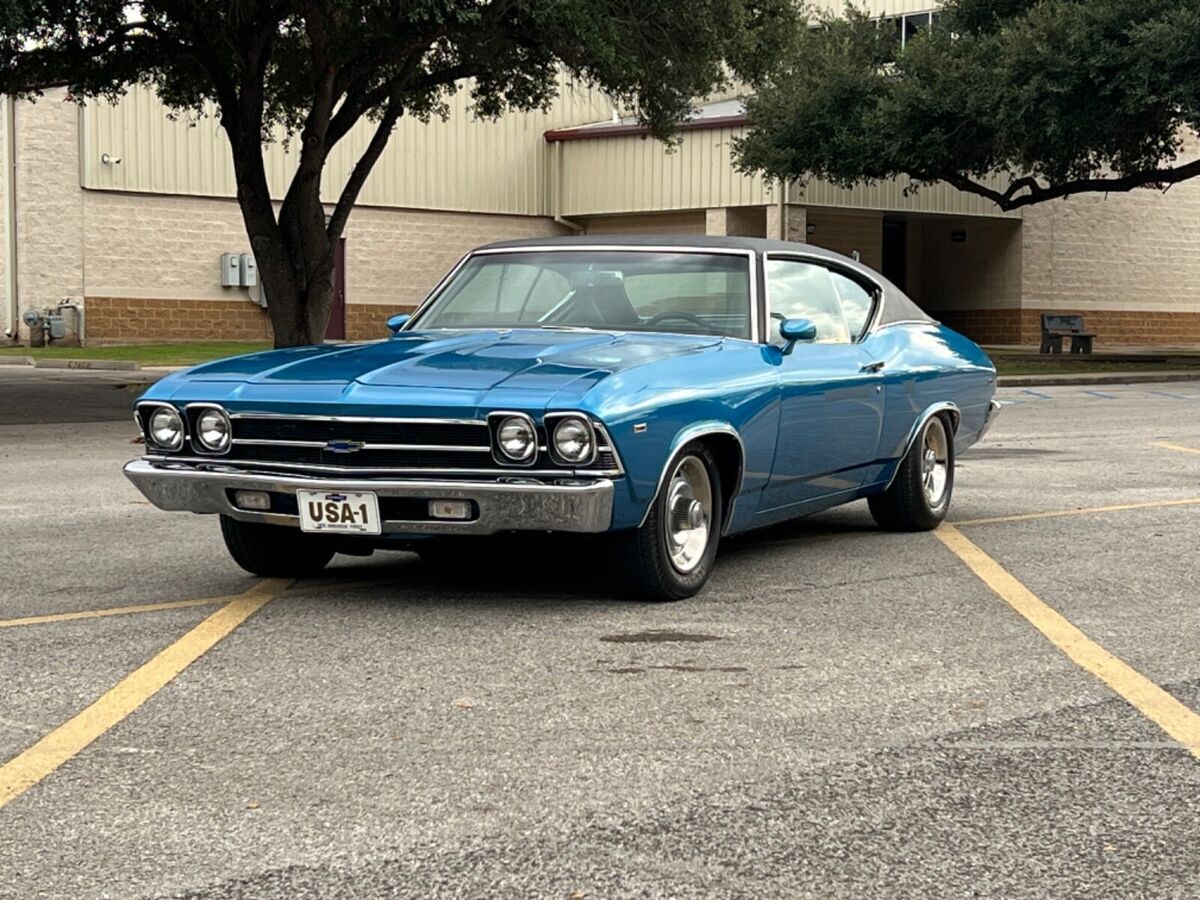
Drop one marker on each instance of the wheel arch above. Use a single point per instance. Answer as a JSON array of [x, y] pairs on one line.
[[947, 408], [727, 447]]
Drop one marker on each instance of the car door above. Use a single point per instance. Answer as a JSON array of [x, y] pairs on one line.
[[831, 399]]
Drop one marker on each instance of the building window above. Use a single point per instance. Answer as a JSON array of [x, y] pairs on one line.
[[909, 25]]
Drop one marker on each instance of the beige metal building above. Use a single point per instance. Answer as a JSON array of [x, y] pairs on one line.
[[129, 210]]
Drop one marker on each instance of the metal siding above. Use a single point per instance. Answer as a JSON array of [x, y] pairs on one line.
[[632, 174], [457, 164], [636, 174], [882, 7], [889, 195]]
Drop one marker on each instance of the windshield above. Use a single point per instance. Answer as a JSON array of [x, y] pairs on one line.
[[611, 290]]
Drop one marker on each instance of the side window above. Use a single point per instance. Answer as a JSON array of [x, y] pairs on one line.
[[856, 303], [804, 290]]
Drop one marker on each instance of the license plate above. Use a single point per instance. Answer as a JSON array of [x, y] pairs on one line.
[[356, 512]]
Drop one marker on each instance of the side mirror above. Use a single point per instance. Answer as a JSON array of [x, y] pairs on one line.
[[797, 331], [397, 322]]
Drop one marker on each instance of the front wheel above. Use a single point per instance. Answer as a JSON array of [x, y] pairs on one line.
[[671, 555], [919, 496], [275, 550]]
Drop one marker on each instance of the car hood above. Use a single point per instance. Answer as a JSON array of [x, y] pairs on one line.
[[523, 368]]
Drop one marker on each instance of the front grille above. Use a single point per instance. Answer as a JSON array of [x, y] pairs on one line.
[[378, 447], [437, 433]]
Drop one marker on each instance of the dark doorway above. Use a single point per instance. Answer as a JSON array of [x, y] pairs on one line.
[[895, 253], [337, 313]]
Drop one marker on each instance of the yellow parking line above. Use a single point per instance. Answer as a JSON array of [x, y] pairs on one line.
[[1055, 513], [1177, 447], [1177, 720], [113, 611], [62, 744], [177, 604]]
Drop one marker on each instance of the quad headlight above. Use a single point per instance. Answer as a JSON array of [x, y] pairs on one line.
[[166, 428], [574, 440], [516, 439], [213, 430]]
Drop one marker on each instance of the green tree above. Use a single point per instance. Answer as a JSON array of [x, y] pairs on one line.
[[1059, 96], [315, 68]]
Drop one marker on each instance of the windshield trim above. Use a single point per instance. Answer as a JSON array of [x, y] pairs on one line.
[[751, 256]]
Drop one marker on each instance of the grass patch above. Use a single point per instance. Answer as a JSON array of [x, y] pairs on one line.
[[179, 354]]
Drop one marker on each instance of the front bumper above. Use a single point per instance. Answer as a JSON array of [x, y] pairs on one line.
[[569, 505], [990, 419]]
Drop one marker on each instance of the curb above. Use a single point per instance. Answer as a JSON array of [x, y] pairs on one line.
[[16, 360], [118, 365], [1097, 378]]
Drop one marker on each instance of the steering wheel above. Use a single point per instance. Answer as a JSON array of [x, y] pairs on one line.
[[686, 317]]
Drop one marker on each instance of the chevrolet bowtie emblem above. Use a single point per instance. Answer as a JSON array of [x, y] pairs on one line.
[[344, 446]]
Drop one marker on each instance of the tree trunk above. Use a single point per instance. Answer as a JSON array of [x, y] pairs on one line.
[[294, 255]]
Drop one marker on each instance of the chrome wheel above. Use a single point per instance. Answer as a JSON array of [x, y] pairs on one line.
[[935, 462], [689, 513]]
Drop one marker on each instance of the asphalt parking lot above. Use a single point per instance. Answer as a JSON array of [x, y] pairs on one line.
[[842, 713]]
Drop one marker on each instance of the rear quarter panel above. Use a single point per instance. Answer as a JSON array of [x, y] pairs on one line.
[[927, 364]]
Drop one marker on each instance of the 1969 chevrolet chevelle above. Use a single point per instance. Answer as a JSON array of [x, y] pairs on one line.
[[668, 391]]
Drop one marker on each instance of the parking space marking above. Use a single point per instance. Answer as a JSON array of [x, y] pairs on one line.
[[174, 604], [113, 611], [1080, 511], [1179, 448], [1177, 720], [32, 765]]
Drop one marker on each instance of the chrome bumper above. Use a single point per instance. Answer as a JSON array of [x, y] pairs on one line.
[[990, 419], [583, 506]]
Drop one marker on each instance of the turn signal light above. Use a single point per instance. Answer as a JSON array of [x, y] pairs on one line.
[[449, 509], [256, 500]]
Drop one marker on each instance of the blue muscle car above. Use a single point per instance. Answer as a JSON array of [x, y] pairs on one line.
[[666, 390]]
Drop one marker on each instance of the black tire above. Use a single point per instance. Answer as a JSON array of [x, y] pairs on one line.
[[643, 558], [906, 505], [275, 551]]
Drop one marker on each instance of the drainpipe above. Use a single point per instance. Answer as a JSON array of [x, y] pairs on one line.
[[558, 189], [68, 303], [782, 201], [9, 175]]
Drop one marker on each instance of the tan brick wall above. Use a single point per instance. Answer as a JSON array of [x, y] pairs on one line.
[[1136, 251], [1111, 327], [368, 321], [138, 319], [50, 225], [5, 306], [982, 272], [846, 233]]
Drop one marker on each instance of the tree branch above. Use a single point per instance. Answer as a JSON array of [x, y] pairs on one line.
[[362, 169], [1011, 199]]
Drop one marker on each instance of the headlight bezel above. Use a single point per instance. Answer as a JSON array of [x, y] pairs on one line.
[[556, 421], [197, 413], [496, 422], [149, 413]]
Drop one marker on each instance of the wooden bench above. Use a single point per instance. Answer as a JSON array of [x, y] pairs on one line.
[[1055, 327]]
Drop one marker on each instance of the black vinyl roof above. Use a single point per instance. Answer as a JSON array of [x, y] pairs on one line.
[[897, 306]]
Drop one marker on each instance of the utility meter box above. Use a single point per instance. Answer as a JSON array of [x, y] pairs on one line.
[[248, 270], [231, 271], [58, 327]]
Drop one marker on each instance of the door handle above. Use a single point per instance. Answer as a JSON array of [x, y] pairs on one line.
[[872, 366]]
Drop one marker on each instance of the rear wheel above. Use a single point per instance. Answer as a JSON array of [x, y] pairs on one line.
[[919, 496], [671, 555], [275, 550]]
